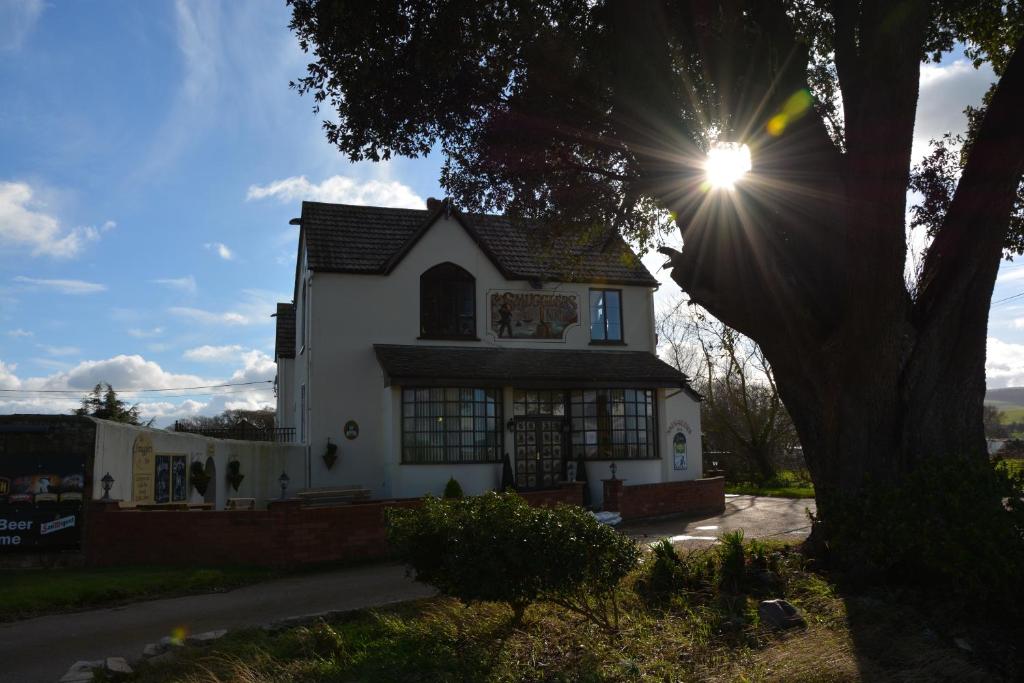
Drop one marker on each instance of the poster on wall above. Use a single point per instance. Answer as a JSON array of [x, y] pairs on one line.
[[679, 451], [142, 469], [162, 492], [532, 315], [179, 486], [40, 501]]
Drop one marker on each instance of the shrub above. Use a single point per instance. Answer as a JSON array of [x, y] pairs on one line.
[[733, 561], [452, 489], [496, 547], [967, 543]]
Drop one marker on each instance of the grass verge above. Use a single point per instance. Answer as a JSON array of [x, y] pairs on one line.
[[28, 592], [699, 635], [785, 484]]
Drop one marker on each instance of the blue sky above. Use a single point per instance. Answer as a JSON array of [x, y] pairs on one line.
[[151, 155]]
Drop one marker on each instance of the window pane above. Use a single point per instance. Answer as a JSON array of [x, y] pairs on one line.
[[613, 313], [597, 315]]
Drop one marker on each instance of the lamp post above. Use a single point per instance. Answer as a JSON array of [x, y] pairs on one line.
[[284, 479], [107, 482]]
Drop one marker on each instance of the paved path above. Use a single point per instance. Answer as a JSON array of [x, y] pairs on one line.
[[43, 648], [757, 516]]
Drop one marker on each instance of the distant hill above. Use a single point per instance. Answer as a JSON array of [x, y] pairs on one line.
[[1009, 402], [1012, 396]]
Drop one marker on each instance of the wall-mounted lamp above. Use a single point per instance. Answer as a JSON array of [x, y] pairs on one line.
[[108, 482]]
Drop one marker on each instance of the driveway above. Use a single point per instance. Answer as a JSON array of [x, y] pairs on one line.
[[43, 648], [757, 516]]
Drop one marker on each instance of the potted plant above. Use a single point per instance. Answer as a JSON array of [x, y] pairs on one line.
[[200, 479], [235, 475], [330, 456]]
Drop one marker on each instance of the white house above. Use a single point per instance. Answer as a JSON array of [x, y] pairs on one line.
[[426, 344]]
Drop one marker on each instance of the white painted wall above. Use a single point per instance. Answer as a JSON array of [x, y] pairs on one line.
[[261, 462], [347, 314]]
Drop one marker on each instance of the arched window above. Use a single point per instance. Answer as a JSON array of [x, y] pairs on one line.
[[447, 303]]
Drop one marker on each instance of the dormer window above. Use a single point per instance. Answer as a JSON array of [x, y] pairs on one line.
[[447, 303]]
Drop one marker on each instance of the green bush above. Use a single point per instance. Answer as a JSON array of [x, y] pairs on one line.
[[496, 547], [452, 489], [949, 527], [733, 556]]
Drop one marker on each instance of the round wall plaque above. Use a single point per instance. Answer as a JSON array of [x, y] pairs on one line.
[[351, 429]]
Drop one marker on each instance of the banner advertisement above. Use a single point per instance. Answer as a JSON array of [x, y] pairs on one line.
[[41, 501]]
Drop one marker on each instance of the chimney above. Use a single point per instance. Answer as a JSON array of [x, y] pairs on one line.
[[433, 204]]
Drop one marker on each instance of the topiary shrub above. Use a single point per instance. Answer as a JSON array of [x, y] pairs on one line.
[[452, 489], [496, 547]]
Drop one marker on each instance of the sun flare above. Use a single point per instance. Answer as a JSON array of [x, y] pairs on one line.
[[727, 162]]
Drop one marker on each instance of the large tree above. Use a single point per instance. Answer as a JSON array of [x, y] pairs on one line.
[[602, 112]]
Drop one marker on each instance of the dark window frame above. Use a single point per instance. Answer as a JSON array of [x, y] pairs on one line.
[[424, 409], [621, 341], [445, 290]]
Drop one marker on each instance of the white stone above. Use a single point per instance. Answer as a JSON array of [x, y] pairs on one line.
[[117, 665], [207, 637]]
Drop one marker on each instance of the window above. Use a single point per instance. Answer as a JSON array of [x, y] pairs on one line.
[[447, 303], [613, 424], [543, 403], [451, 425], [606, 315]]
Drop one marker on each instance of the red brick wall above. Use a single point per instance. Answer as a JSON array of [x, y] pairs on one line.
[[697, 497], [285, 535]]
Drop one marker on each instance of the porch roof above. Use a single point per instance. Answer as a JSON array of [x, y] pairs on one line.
[[526, 368]]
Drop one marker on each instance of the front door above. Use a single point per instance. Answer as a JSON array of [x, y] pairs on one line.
[[539, 454]]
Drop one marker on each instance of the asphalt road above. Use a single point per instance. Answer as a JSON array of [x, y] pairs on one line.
[[43, 648], [757, 516]]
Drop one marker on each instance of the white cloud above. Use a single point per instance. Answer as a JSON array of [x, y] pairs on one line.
[[222, 250], [255, 308], [339, 190], [208, 317], [1019, 323], [129, 373], [17, 19], [24, 224], [184, 284], [63, 286], [945, 90], [18, 333], [1010, 274], [145, 334], [214, 354], [61, 350], [1004, 364], [8, 380]]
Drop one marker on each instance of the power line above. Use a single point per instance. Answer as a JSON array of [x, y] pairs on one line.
[[1015, 296], [79, 392]]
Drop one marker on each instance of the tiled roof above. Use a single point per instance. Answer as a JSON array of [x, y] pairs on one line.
[[364, 239], [489, 366], [285, 344]]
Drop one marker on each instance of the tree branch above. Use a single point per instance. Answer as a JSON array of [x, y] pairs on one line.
[[968, 246]]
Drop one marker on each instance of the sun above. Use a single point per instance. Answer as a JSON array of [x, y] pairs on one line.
[[727, 162]]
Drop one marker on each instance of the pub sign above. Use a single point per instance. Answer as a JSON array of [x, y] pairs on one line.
[[525, 314]]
